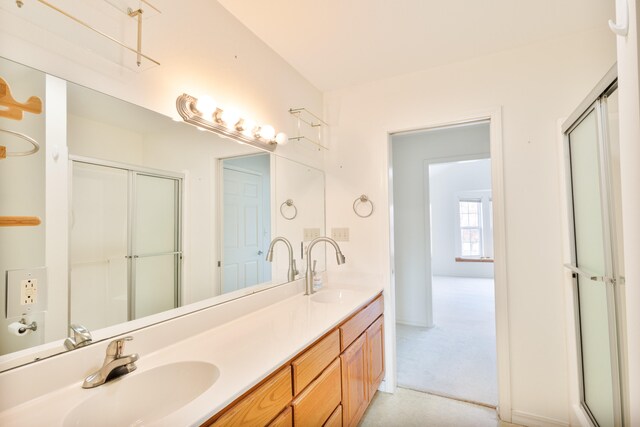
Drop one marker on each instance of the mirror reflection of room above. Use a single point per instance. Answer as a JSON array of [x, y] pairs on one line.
[[146, 217]]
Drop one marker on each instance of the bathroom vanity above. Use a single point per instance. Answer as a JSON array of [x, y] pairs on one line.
[[297, 360], [331, 382]]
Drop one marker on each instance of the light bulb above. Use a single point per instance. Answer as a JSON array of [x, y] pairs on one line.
[[230, 117], [281, 138], [206, 105], [267, 132], [248, 126]]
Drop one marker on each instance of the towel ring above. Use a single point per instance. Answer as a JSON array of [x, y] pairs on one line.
[[362, 199], [30, 140], [289, 203]]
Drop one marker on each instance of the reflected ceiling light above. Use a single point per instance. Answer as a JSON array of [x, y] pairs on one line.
[[281, 138], [204, 113], [267, 132], [230, 118], [247, 127], [206, 105]]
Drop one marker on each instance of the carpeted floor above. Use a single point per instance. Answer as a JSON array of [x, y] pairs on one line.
[[457, 357]]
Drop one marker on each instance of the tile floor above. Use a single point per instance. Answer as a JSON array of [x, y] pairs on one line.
[[408, 408]]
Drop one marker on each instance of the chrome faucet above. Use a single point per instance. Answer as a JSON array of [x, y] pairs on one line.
[[308, 280], [114, 365], [292, 262], [81, 337]]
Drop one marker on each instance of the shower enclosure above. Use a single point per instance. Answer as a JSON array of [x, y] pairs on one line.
[[125, 242], [593, 180]]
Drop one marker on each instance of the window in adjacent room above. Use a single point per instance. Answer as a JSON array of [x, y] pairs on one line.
[[470, 228], [474, 225]]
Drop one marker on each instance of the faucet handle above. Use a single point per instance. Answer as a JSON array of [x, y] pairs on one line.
[[116, 347], [295, 268], [81, 337]]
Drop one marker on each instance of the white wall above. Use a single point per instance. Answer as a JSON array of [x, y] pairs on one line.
[[534, 86], [411, 152], [447, 183]]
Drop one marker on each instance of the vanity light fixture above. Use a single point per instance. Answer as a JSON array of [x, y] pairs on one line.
[[204, 113]]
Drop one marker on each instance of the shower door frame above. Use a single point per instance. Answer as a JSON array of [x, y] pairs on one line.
[[596, 103], [132, 171]]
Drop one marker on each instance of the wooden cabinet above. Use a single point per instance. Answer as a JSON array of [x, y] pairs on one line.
[[285, 419], [375, 355], [362, 361], [262, 404], [355, 387], [313, 361], [335, 420], [329, 384], [356, 325], [318, 401]]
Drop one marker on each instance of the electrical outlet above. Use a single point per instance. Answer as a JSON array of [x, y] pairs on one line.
[[340, 234], [310, 234], [28, 291]]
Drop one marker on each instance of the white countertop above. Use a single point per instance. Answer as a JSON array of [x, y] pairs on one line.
[[245, 350]]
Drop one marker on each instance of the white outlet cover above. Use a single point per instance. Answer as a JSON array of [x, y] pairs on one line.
[[310, 233], [340, 234], [17, 294]]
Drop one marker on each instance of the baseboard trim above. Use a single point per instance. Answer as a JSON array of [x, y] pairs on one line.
[[531, 420], [406, 323]]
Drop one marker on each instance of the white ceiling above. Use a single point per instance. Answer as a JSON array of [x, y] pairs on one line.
[[339, 43]]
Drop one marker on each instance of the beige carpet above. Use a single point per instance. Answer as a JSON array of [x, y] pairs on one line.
[[457, 357], [407, 408]]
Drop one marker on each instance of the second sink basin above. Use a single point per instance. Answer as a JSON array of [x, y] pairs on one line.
[[328, 296], [140, 399]]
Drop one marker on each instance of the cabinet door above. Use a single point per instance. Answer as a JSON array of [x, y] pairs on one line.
[[375, 350], [355, 387]]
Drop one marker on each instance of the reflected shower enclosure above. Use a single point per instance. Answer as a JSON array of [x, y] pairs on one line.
[[125, 254]]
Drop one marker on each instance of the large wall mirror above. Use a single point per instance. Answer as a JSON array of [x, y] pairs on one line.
[[160, 215]]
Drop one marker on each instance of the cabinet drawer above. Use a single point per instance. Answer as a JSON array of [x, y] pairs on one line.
[[285, 419], [335, 420], [313, 361], [318, 401], [352, 328], [261, 405]]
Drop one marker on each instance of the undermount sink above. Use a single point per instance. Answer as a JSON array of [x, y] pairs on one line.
[[148, 396], [328, 296]]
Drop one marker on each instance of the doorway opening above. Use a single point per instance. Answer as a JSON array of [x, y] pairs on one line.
[[444, 254]]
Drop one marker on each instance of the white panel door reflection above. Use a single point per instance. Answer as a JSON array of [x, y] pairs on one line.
[[243, 263]]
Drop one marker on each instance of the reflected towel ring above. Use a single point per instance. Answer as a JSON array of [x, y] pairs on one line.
[[30, 140], [289, 203], [362, 199]]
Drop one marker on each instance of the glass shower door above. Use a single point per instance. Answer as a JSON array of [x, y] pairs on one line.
[[125, 243], [593, 265], [155, 267], [98, 284]]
